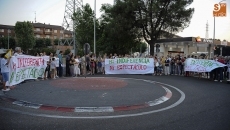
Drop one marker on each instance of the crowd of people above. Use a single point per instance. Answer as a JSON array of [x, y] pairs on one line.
[[90, 64]]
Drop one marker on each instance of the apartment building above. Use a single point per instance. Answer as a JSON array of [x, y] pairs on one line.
[[41, 30], [7, 30]]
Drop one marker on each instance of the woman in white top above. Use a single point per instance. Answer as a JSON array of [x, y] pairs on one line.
[[77, 71], [5, 71]]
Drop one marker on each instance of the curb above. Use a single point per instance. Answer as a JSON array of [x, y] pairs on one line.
[[158, 101]]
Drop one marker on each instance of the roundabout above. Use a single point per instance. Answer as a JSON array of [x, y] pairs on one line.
[[115, 107]]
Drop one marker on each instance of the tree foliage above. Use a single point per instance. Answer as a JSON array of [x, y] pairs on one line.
[[154, 17], [118, 34], [84, 26], [4, 42], [25, 35], [56, 41], [122, 26], [48, 42], [39, 43]]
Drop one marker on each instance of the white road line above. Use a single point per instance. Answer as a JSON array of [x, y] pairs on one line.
[[93, 109]]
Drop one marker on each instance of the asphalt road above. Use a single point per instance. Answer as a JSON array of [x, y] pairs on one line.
[[206, 107]]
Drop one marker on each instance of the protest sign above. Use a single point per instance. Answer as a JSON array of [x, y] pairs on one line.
[[23, 67], [129, 66], [201, 65]]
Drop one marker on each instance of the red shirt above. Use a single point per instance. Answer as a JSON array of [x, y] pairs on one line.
[[221, 61]]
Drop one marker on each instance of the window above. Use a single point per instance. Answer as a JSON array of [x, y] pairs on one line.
[[60, 37], [47, 30], [47, 36], [66, 35], [9, 31], [2, 35], [37, 29], [61, 31], [37, 36], [1, 30], [55, 37], [55, 31]]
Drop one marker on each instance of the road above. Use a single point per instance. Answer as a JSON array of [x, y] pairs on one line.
[[206, 107]]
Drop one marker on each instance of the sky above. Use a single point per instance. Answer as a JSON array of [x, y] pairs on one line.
[[52, 12]]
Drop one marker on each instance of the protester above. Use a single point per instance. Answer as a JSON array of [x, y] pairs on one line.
[[57, 65], [53, 68], [60, 68], [5, 72], [18, 51]]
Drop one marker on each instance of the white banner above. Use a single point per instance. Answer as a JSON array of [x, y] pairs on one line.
[[129, 66], [201, 65], [23, 67]]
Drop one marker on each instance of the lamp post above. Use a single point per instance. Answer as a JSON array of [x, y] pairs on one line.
[[8, 37], [94, 50]]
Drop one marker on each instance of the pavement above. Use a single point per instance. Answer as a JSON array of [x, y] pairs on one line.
[[117, 102]]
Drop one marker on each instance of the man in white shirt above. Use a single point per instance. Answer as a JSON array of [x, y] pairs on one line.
[[18, 51]]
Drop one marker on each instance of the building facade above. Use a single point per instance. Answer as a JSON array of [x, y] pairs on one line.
[[41, 30], [190, 46]]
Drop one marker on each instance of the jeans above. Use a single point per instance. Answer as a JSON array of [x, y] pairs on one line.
[[221, 70], [172, 69]]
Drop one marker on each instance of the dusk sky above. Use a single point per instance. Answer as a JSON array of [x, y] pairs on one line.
[[52, 12]]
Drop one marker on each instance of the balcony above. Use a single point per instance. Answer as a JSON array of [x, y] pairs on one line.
[[38, 32], [48, 32]]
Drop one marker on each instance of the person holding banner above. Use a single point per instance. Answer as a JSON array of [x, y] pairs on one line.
[[5, 71], [18, 51]]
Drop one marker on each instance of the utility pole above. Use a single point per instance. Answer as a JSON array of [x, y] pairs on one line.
[[69, 24]]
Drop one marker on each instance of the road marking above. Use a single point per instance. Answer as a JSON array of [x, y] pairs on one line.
[[93, 109]]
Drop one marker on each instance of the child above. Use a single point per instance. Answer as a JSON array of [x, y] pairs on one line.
[[53, 68]]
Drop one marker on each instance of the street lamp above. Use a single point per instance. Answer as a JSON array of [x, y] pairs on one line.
[[8, 37], [94, 50]]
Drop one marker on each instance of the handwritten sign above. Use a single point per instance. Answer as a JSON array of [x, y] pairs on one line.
[[129, 66], [25, 67], [201, 65]]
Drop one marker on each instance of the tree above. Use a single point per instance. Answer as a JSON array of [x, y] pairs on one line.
[[39, 43], [67, 51], [156, 17], [56, 41], [117, 28], [48, 42], [25, 35], [84, 25], [4, 42]]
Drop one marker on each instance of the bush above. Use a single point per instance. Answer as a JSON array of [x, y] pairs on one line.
[[67, 51], [46, 50]]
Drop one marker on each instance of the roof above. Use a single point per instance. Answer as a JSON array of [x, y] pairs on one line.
[[43, 25], [6, 26]]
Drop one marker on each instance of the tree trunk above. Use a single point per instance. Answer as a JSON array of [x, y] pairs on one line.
[[152, 47]]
